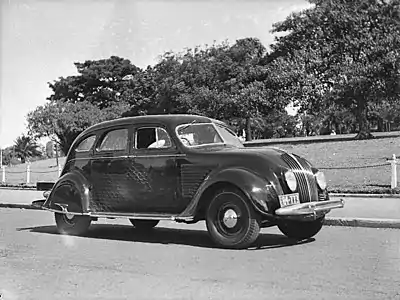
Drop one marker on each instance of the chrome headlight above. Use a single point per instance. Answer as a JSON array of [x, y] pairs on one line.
[[321, 180], [291, 180]]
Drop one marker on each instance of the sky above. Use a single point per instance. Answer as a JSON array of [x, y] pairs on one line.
[[41, 39]]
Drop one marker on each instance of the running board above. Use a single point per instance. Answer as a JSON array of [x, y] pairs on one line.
[[176, 218], [133, 216]]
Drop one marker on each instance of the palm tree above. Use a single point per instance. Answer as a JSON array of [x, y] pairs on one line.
[[25, 147]]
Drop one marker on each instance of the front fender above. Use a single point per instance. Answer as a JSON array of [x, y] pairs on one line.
[[262, 190], [70, 188]]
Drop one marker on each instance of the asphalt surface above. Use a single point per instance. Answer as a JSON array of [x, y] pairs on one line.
[[176, 261]]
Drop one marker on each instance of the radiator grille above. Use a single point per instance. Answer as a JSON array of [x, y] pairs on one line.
[[306, 184]]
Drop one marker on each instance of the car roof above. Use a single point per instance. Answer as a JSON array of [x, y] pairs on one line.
[[167, 119]]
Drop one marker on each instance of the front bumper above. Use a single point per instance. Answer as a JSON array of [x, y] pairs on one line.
[[309, 209]]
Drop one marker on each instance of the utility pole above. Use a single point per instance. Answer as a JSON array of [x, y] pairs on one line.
[[1, 158], [56, 148], [52, 134]]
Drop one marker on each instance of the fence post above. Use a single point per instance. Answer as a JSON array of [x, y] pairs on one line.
[[3, 176], [59, 170], [28, 173], [393, 162]]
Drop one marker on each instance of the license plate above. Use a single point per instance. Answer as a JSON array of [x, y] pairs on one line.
[[290, 199]]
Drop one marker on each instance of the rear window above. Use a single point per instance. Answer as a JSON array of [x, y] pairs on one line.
[[86, 144]]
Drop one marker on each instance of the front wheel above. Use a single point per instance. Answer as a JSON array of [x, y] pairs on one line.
[[231, 220], [301, 229], [144, 224]]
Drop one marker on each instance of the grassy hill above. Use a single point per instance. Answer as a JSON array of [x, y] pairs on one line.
[[349, 165]]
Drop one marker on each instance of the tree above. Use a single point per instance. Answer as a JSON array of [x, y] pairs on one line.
[[385, 114], [140, 93], [341, 51], [276, 124], [99, 82], [221, 81], [98, 93], [8, 155], [50, 149], [63, 122], [25, 147]]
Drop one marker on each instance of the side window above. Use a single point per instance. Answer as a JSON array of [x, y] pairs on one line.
[[115, 140], [86, 144], [152, 137]]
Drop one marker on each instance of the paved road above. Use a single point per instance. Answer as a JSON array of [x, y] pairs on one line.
[[178, 262]]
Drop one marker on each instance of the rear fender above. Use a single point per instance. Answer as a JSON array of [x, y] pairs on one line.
[[262, 190], [70, 188]]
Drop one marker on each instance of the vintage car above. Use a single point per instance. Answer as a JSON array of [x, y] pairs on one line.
[[186, 168]]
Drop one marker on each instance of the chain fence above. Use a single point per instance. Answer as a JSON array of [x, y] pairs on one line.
[[355, 167], [28, 175], [374, 175]]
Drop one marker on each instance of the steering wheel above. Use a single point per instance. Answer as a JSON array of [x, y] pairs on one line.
[[187, 140]]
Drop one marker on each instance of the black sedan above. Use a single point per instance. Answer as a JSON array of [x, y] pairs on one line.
[[186, 168]]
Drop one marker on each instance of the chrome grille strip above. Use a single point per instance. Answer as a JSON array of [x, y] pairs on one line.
[[313, 186], [306, 183], [311, 180], [302, 185], [299, 177], [304, 177]]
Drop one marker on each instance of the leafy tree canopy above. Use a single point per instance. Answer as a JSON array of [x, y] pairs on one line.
[[63, 122], [341, 51], [99, 82], [221, 81]]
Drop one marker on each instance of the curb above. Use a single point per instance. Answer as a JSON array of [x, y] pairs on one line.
[[21, 206], [363, 222], [28, 188], [364, 195]]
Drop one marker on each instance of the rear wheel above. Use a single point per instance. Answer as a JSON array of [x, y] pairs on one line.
[[72, 224], [301, 229], [231, 220], [144, 224]]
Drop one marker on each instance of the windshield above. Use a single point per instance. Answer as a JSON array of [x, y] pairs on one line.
[[229, 136], [201, 134]]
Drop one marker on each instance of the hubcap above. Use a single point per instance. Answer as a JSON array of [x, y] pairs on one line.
[[230, 218]]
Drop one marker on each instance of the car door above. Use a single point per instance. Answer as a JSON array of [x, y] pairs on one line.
[[157, 180], [109, 169]]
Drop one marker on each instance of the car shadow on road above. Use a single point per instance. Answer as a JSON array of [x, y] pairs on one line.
[[162, 235]]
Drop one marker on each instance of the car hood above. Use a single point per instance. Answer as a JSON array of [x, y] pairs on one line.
[[271, 155]]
